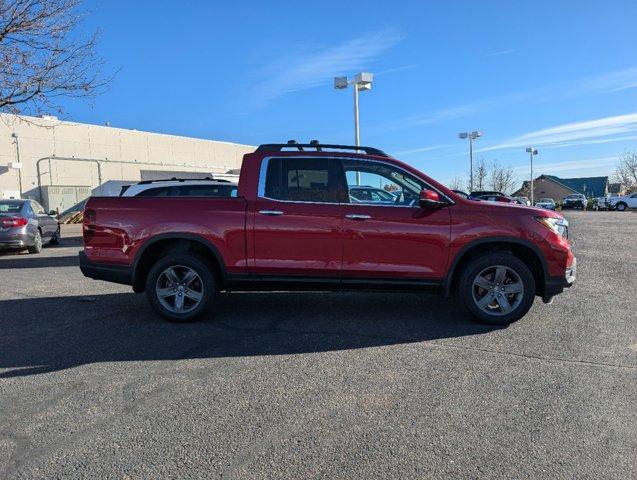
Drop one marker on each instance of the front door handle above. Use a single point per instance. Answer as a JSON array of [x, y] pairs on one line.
[[271, 212], [354, 216]]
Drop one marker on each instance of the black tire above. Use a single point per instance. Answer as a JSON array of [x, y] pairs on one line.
[[55, 239], [206, 282], [495, 316], [621, 206], [37, 243]]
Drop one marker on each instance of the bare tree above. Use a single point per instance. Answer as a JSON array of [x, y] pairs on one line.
[[501, 178], [480, 174], [42, 59], [456, 183], [626, 170]]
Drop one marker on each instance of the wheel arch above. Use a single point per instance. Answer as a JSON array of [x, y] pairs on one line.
[[522, 249], [162, 244]]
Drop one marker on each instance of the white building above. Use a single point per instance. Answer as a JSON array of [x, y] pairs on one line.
[[40, 155]]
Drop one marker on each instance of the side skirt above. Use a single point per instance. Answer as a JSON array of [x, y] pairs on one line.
[[308, 283]]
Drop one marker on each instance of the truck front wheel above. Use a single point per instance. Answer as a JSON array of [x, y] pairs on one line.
[[180, 287], [497, 288]]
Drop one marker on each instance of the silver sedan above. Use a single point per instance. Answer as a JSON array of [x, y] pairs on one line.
[[25, 224]]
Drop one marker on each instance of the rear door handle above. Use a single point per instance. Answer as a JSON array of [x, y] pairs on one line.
[[271, 212], [354, 216]]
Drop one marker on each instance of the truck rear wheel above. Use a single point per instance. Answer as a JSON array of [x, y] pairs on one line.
[[180, 287], [497, 288]]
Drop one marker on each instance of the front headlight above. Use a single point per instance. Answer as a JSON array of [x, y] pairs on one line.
[[558, 225]]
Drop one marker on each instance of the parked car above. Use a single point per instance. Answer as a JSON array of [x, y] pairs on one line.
[[461, 193], [492, 197], [601, 203], [481, 193], [523, 201], [292, 226], [365, 194], [546, 203], [207, 187], [575, 200], [25, 225], [623, 202]]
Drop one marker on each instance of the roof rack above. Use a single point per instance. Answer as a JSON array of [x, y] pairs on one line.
[[315, 145], [174, 179]]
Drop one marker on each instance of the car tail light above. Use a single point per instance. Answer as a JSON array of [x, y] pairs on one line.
[[88, 219], [12, 222], [88, 216]]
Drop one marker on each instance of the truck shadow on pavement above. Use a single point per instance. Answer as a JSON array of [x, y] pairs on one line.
[[37, 261], [40, 335]]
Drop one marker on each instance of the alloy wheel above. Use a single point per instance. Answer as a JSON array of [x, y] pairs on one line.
[[179, 289], [498, 290]]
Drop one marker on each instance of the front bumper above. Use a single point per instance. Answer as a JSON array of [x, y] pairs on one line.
[[556, 285], [106, 271]]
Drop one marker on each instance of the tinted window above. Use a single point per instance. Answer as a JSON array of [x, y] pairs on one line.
[[191, 191], [303, 180], [404, 186], [207, 190], [156, 192]]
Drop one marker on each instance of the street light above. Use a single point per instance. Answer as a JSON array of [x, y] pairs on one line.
[[471, 136], [361, 81], [531, 151]]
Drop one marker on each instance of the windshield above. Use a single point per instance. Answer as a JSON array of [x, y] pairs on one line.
[[545, 200], [10, 206]]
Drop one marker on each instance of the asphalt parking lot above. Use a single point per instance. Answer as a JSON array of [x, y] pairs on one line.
[[319, 385]]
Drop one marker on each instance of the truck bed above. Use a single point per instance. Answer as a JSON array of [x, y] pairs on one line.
[[115, 228]]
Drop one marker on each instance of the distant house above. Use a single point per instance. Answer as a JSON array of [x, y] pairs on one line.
[[550, 186]]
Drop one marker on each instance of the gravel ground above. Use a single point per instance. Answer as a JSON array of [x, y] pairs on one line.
[[319, 385]]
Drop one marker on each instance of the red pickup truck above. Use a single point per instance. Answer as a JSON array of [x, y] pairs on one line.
[[293, 225]]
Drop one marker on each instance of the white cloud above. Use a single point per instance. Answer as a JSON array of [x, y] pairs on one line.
[[500, 52], [577, 133], [422, 149], [601, 165], [317, 66], [605, 83]]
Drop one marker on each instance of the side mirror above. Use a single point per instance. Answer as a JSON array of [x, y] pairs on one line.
[[430, 199], [53, 212]]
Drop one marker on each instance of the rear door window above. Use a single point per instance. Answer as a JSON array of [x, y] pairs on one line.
[[37, 208], [303, 180]]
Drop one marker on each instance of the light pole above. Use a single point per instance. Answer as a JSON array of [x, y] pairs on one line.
[[361, 81], [471, 136], [531, 151]]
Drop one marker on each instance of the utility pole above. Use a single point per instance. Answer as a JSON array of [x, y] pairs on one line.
[[532, 151]]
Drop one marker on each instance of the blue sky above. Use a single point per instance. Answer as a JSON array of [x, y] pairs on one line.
[[560, 75]]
